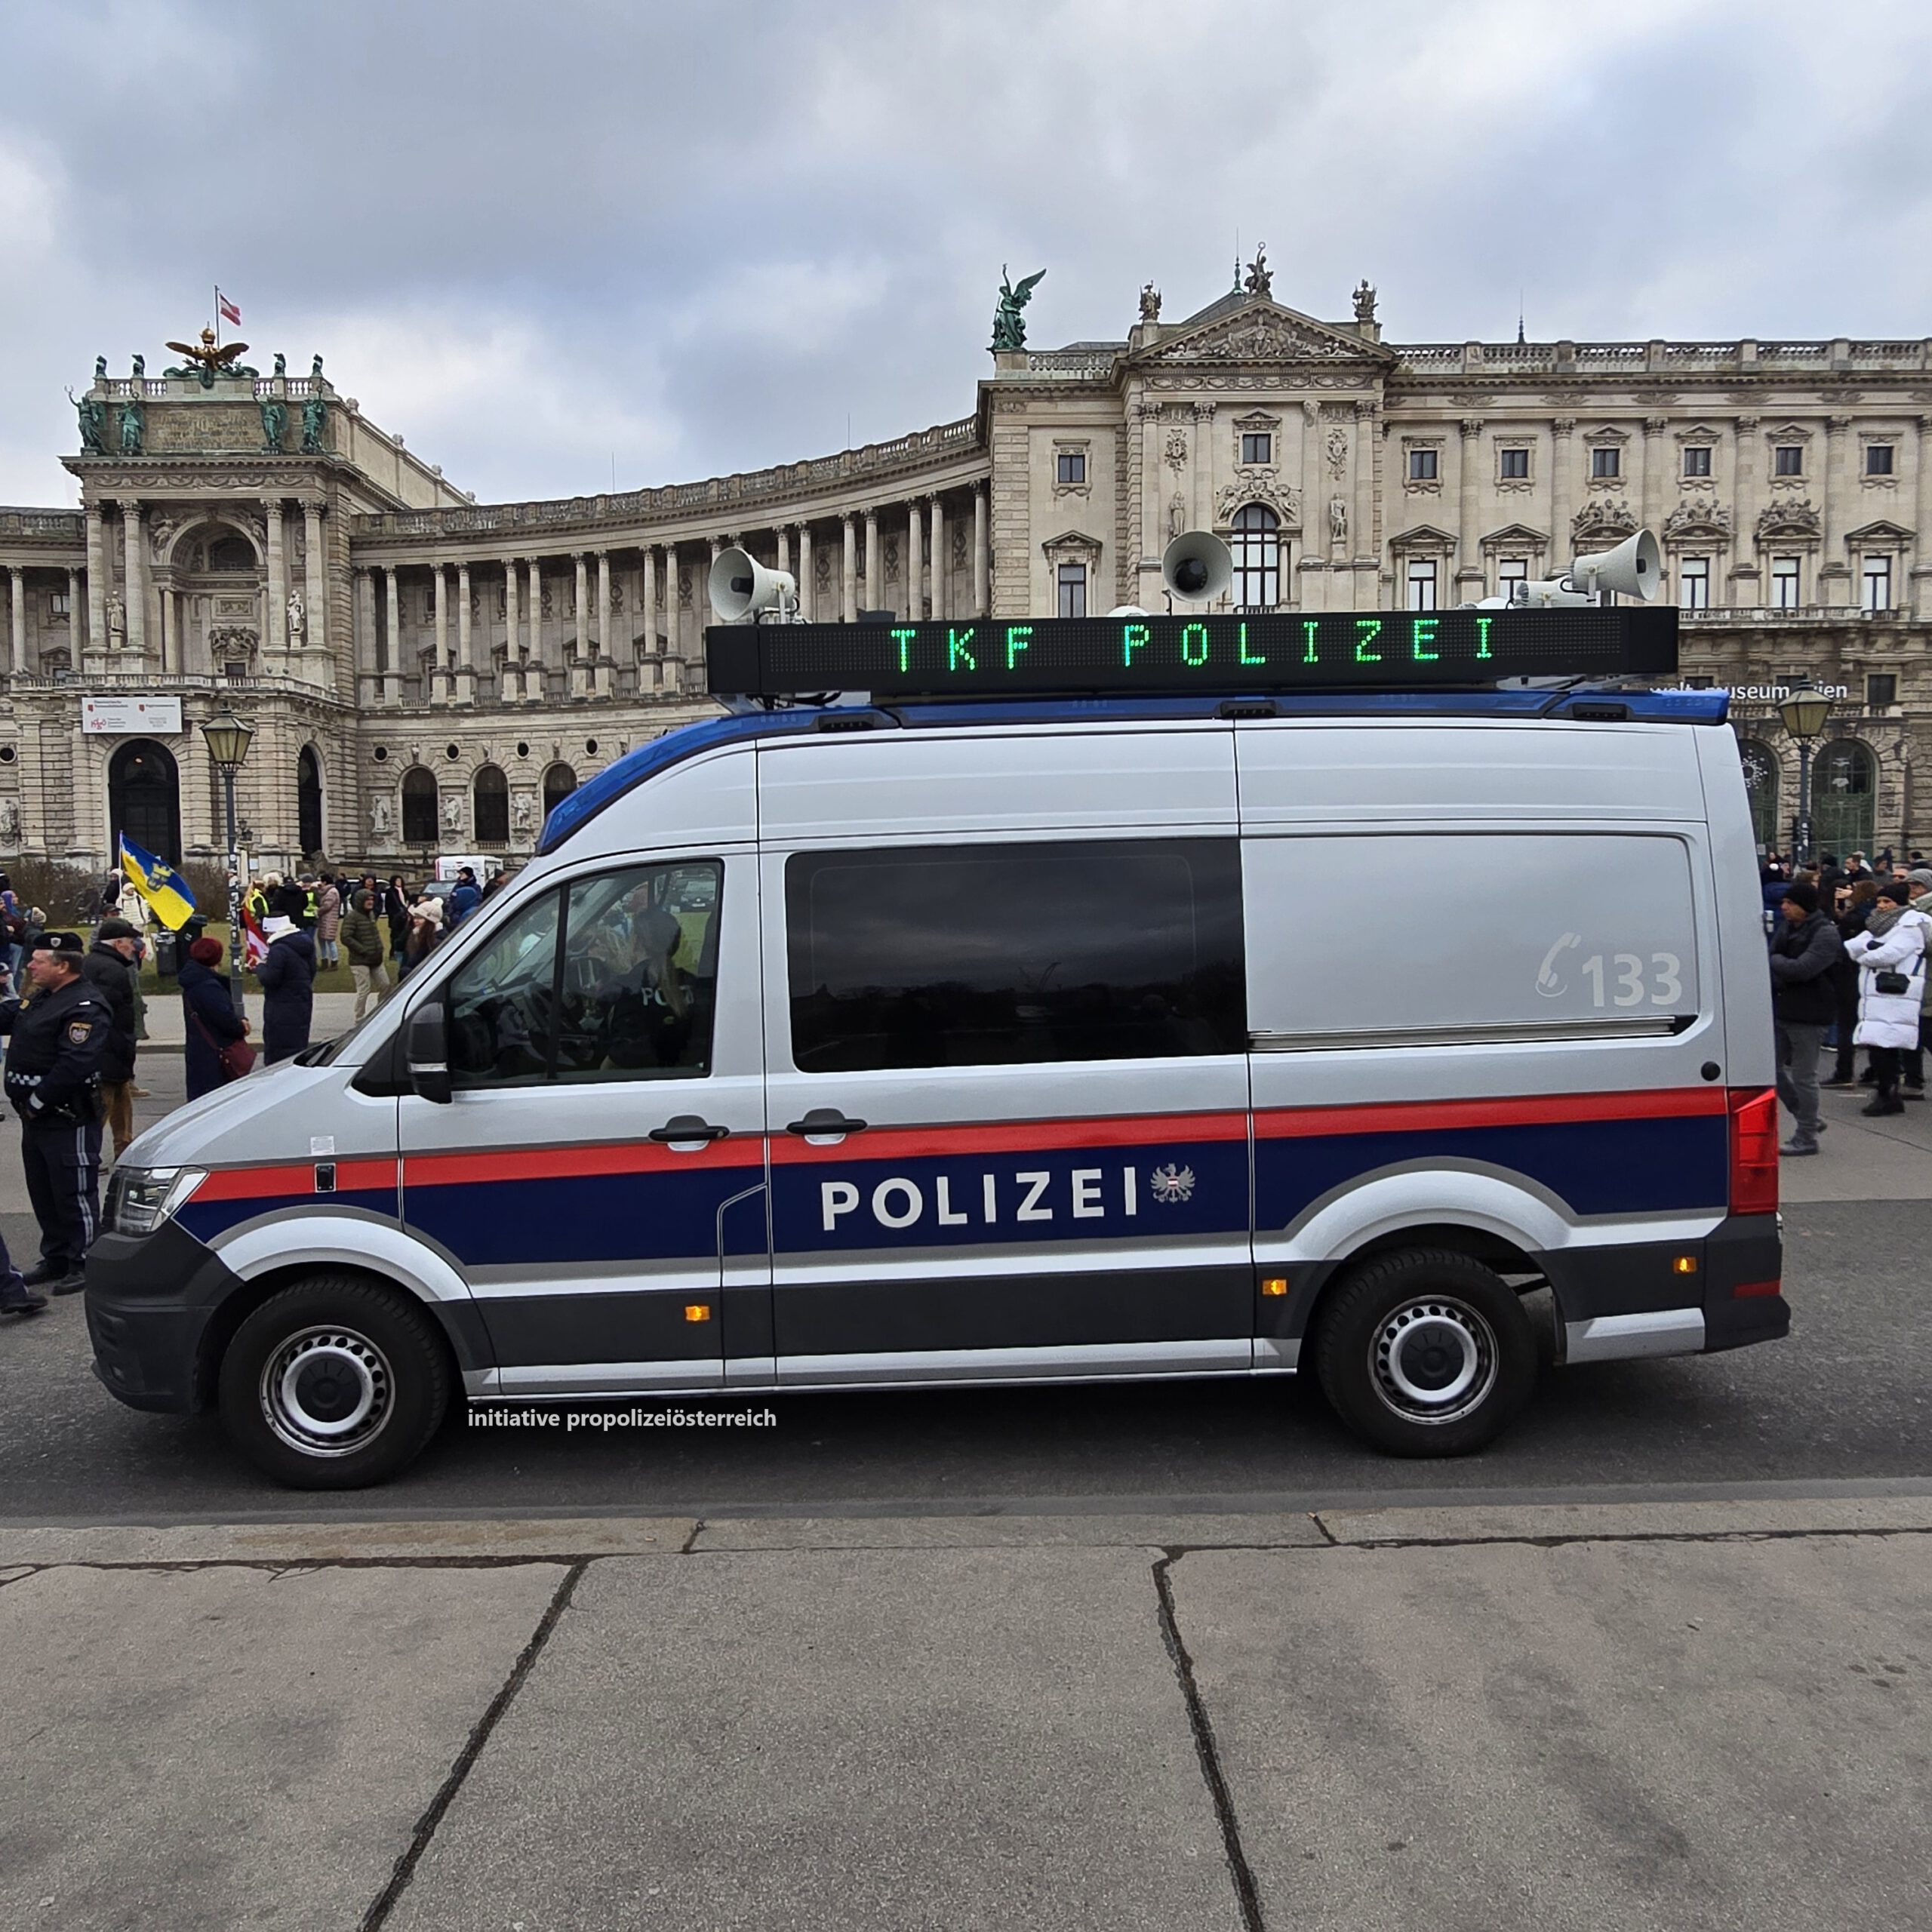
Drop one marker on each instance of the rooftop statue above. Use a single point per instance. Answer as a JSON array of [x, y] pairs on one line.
[[281, 365], [1260, 279], [314, 420], [133, 421], [94, 425], [1364, 301], [100, 368], [1009, 326], [1150, 303], [207, 361], [275, 424], [315, 372]]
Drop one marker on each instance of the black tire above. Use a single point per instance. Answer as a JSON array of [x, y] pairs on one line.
[[1425, 1352], [334, 1382]]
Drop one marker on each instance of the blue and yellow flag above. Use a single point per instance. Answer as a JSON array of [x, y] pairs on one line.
[[165, 890]]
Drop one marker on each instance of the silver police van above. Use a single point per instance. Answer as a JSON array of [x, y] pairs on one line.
[[1039, 1039]]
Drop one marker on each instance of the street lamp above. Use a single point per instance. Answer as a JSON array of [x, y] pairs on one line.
[[229, 738], [1804, 708]]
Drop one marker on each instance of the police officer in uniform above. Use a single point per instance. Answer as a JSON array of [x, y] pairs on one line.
[[52, 1081]]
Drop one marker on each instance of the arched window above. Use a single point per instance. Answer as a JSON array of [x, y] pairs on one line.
[[1761, 786], [1845, 798], [1257, 554], [144, 797], [309, 802], [559, 782], [491, 796], [231, 553], [419, 807]]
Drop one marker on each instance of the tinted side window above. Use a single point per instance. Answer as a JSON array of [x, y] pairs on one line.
[[991, 955], [621, 986]]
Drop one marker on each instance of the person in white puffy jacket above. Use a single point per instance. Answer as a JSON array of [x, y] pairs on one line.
[[1893, 948]]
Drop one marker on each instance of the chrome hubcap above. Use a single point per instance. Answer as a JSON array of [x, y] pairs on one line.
[[1434, 1359], [327, 1392]]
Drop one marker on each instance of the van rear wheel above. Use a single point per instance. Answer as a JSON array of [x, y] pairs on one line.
[[334, 1382], [1425, 1352]]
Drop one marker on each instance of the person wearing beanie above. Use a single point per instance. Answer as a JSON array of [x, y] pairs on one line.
[[211, 1021], [1891, 957], [286, 977], [1804, 948], [109, 963]]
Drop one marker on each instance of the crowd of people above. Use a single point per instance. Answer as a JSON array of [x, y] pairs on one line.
[[1849, 957]]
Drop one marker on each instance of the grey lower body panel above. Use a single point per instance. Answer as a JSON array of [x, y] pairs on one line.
[[1666, 1331]]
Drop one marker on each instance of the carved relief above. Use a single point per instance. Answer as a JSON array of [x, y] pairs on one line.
[[1255, 486], [1603, 521], [1337, 452], [1800, 521], [1699, 517], [1177, 449]]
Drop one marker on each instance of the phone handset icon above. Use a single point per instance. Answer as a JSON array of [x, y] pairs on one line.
[[1549, 981]]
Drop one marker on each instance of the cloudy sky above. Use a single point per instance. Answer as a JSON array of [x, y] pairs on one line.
[[550, 243]]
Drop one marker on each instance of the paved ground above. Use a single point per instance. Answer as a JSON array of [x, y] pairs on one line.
[[1699, 1717]]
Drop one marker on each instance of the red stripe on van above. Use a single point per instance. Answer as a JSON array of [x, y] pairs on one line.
[[1521, 1110], [636, 1156], [1037, 1137], [293, 1177]]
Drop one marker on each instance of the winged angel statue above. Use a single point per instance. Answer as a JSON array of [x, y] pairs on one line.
[[207, 361], [1009, 325]]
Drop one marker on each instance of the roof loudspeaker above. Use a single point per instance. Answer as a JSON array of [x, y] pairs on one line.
[[1634, 569], [1196, 567], [739, 586]]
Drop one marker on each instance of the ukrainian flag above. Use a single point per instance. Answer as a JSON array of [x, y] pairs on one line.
[[165, 890]]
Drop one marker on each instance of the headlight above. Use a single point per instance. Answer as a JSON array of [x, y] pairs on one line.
[[139, 1199]]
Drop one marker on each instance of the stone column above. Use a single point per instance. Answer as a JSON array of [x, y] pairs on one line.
[[1147, 574], [580, 653], [316, 563], [806, 605], [1834, 578], [939, 555], [368, 655], [647, 603], [1203, 454], [1468, 508], [1654, 427], [604, 604], [1561, 431], [1747, 586], [674, 643], [17, 589], [276, 633], [465, 660], [134, 586], [1367, 439], [849, 572], [440, 693], [915, 588], [76, 642], [170, 650], [96, 582], [1917, 599], [875, 575], [393, 664], [533, 675], [784, 548], [512, 679], [980, 606]]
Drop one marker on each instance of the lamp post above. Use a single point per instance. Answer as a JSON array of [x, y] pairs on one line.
[[227, 737], [1804, 708]]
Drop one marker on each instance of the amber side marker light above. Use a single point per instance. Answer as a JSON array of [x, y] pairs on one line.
[[698, 1311], [1275, 1284], [1684, 1264]]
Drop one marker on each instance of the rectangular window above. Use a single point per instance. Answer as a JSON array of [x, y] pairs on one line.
[[1072, 590], [1881, 690], [1877, 459], [1422, 466], [1612, 935], [1512, 463], [1511, 571], [611, 978], [1877, 575], [1607, 462], [1257, 446], [1694, 583], [1070, 466], [56, 604], [1006, 955], [1422, 583], [1788, 459], [1697, 462], [1784, 583]]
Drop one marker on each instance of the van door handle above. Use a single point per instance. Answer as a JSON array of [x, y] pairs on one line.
[[825, 1120], [687, 1126]]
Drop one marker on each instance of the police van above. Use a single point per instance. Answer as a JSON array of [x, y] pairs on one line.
[[1053, 1026]]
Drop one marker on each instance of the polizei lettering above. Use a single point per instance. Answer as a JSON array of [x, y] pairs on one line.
[[1083, 1193]]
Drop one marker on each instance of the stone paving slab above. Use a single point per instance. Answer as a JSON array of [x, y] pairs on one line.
[[1525, 1522], [228, 1748], [1603, 1737], [1097, 1531], [934, 1738]]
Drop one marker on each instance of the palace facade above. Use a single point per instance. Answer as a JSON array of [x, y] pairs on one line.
[[426, 673]]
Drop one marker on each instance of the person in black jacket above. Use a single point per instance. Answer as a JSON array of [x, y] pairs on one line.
[[52, 1062], [286, 976], [1850, 906], [208, 1007], [1804, 948], [109, 963], [395, 907]]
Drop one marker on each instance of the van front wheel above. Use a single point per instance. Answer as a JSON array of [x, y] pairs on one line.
[[1425, 1352], [333, 1383]]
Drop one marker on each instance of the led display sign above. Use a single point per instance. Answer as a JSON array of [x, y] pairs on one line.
[[1329, 651]]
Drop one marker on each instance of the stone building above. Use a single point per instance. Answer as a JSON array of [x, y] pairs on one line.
[[427, 673]]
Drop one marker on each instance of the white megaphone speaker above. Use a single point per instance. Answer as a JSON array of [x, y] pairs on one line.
[[740, 586], [1634, 569], [1196, 567]]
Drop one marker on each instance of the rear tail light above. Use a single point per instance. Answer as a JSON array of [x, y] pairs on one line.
[[1754, 1150]]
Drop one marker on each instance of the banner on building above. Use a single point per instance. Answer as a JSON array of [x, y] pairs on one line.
[[156, 717]]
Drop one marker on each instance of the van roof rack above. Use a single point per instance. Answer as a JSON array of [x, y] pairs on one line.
[[1593, 703]]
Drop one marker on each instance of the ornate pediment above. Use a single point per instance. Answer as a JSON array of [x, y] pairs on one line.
[[1516, 536], [1799, 520], [1258, 486], [1882, 531], [1697, 517], [1072, 547], [1423, 537], [1257, 330]]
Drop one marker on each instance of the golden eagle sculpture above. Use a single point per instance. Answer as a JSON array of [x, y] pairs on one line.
[[206, 361]]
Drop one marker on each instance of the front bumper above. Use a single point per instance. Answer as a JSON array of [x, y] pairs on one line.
[[150, 1300]]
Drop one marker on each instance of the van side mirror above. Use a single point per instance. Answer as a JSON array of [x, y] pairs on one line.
[[427, 1052]]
